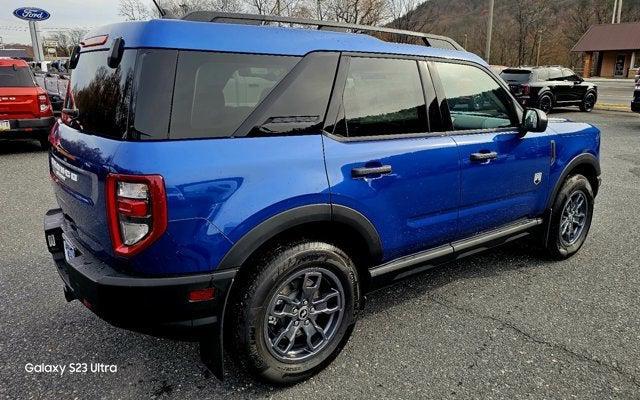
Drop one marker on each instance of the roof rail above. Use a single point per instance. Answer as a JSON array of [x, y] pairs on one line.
[[255, 19]]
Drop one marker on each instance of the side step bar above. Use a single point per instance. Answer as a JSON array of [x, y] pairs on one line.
[[424, 260]]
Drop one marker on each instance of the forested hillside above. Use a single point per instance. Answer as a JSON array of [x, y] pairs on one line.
[[518, 25]]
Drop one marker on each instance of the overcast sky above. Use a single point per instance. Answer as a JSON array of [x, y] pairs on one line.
[[64, 14]]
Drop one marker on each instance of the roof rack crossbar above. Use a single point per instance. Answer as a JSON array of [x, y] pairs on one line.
[[221, 17]]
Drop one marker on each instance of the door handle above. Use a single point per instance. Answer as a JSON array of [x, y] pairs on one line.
[[482, 157], [369, 171]]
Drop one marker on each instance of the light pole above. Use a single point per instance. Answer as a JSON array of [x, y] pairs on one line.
[[613, 16], [487, 51]]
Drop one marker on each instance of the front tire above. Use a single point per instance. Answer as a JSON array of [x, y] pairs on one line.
[[545, 103], [571, 217], [588, 102], [296, 310]]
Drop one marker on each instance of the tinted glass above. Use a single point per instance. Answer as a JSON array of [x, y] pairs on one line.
[[475, 100], [516, 76], [555, 74], [569, 75], [215, 92], [101, 94], [542, 75], [382, 97], [18, 77], [301, 104], [155, 73]]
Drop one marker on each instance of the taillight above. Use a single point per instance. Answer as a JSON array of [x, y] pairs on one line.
[[43, 101], [136, 211], [526, 89]]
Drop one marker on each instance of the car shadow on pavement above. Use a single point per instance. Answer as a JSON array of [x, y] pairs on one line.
[[20, 146]]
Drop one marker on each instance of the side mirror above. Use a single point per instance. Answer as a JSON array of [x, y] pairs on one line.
[[533, 120]]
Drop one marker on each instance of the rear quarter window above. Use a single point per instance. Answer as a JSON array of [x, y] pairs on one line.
[[215, 92]]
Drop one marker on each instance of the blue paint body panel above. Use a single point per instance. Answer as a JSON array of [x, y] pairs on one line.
[[218, 190]]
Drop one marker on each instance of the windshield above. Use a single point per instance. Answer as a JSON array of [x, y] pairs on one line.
[[516, 76], [18, 77]]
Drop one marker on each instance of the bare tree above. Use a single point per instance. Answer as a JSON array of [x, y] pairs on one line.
[[67, 39], [133, 10]]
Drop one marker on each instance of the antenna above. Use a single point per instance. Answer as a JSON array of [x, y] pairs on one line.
[[162, 12]]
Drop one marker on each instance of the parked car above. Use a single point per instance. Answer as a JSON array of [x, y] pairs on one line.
[[635, 104], [266, 180], [25, 110], [56, 87], [549, 87]]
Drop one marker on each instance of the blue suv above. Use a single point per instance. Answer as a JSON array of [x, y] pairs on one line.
[[218, 179]]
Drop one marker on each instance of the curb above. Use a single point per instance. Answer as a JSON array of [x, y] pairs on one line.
[[612, 107]]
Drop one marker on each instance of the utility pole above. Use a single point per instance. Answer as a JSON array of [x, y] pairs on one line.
[[619, 10], [466, 37], [487, 51], [613, 16], [319, 10]]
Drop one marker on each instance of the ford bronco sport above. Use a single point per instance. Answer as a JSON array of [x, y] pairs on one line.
[[253, 183], [25, 110]]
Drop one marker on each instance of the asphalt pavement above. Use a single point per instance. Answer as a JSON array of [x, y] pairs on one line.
[[504, 324], [614, 92]]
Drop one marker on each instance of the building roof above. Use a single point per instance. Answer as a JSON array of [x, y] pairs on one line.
[[15, 53], [227, 37], [610, 37]]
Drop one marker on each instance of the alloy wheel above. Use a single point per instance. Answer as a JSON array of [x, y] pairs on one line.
[[573, 218], [589, 102], [304, 314]]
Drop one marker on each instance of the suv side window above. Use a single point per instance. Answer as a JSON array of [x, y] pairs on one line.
[[542, 75], [569, 75], [382, 96], [474, 98], [215, 92], [555, 74]]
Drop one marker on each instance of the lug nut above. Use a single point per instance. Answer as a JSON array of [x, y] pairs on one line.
[[296, 323], [295, 310], [306, 322], [305, 302]]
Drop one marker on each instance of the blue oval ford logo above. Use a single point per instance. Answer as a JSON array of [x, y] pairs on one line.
[[31, 13]]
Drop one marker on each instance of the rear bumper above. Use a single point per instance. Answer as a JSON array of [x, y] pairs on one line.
[[157, 306], [28, 128]]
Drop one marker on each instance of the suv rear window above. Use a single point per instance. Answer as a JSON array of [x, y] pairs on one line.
[[102, 94], [516, 76], [18, 77]]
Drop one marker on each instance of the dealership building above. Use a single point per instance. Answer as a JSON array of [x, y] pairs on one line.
[[610, 50]]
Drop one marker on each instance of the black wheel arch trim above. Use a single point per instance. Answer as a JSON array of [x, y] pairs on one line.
[[581, 159], [286, 220]]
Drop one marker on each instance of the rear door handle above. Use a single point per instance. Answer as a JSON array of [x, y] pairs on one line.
[[370, 171], [481, 157]]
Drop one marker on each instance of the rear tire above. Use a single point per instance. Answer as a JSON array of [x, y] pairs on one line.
[[571, 218], [307, 291], [588, 102]]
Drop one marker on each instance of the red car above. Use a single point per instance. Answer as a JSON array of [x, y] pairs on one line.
[[25, 110]]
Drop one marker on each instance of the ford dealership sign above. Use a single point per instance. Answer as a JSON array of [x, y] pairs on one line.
[[31, 14]]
